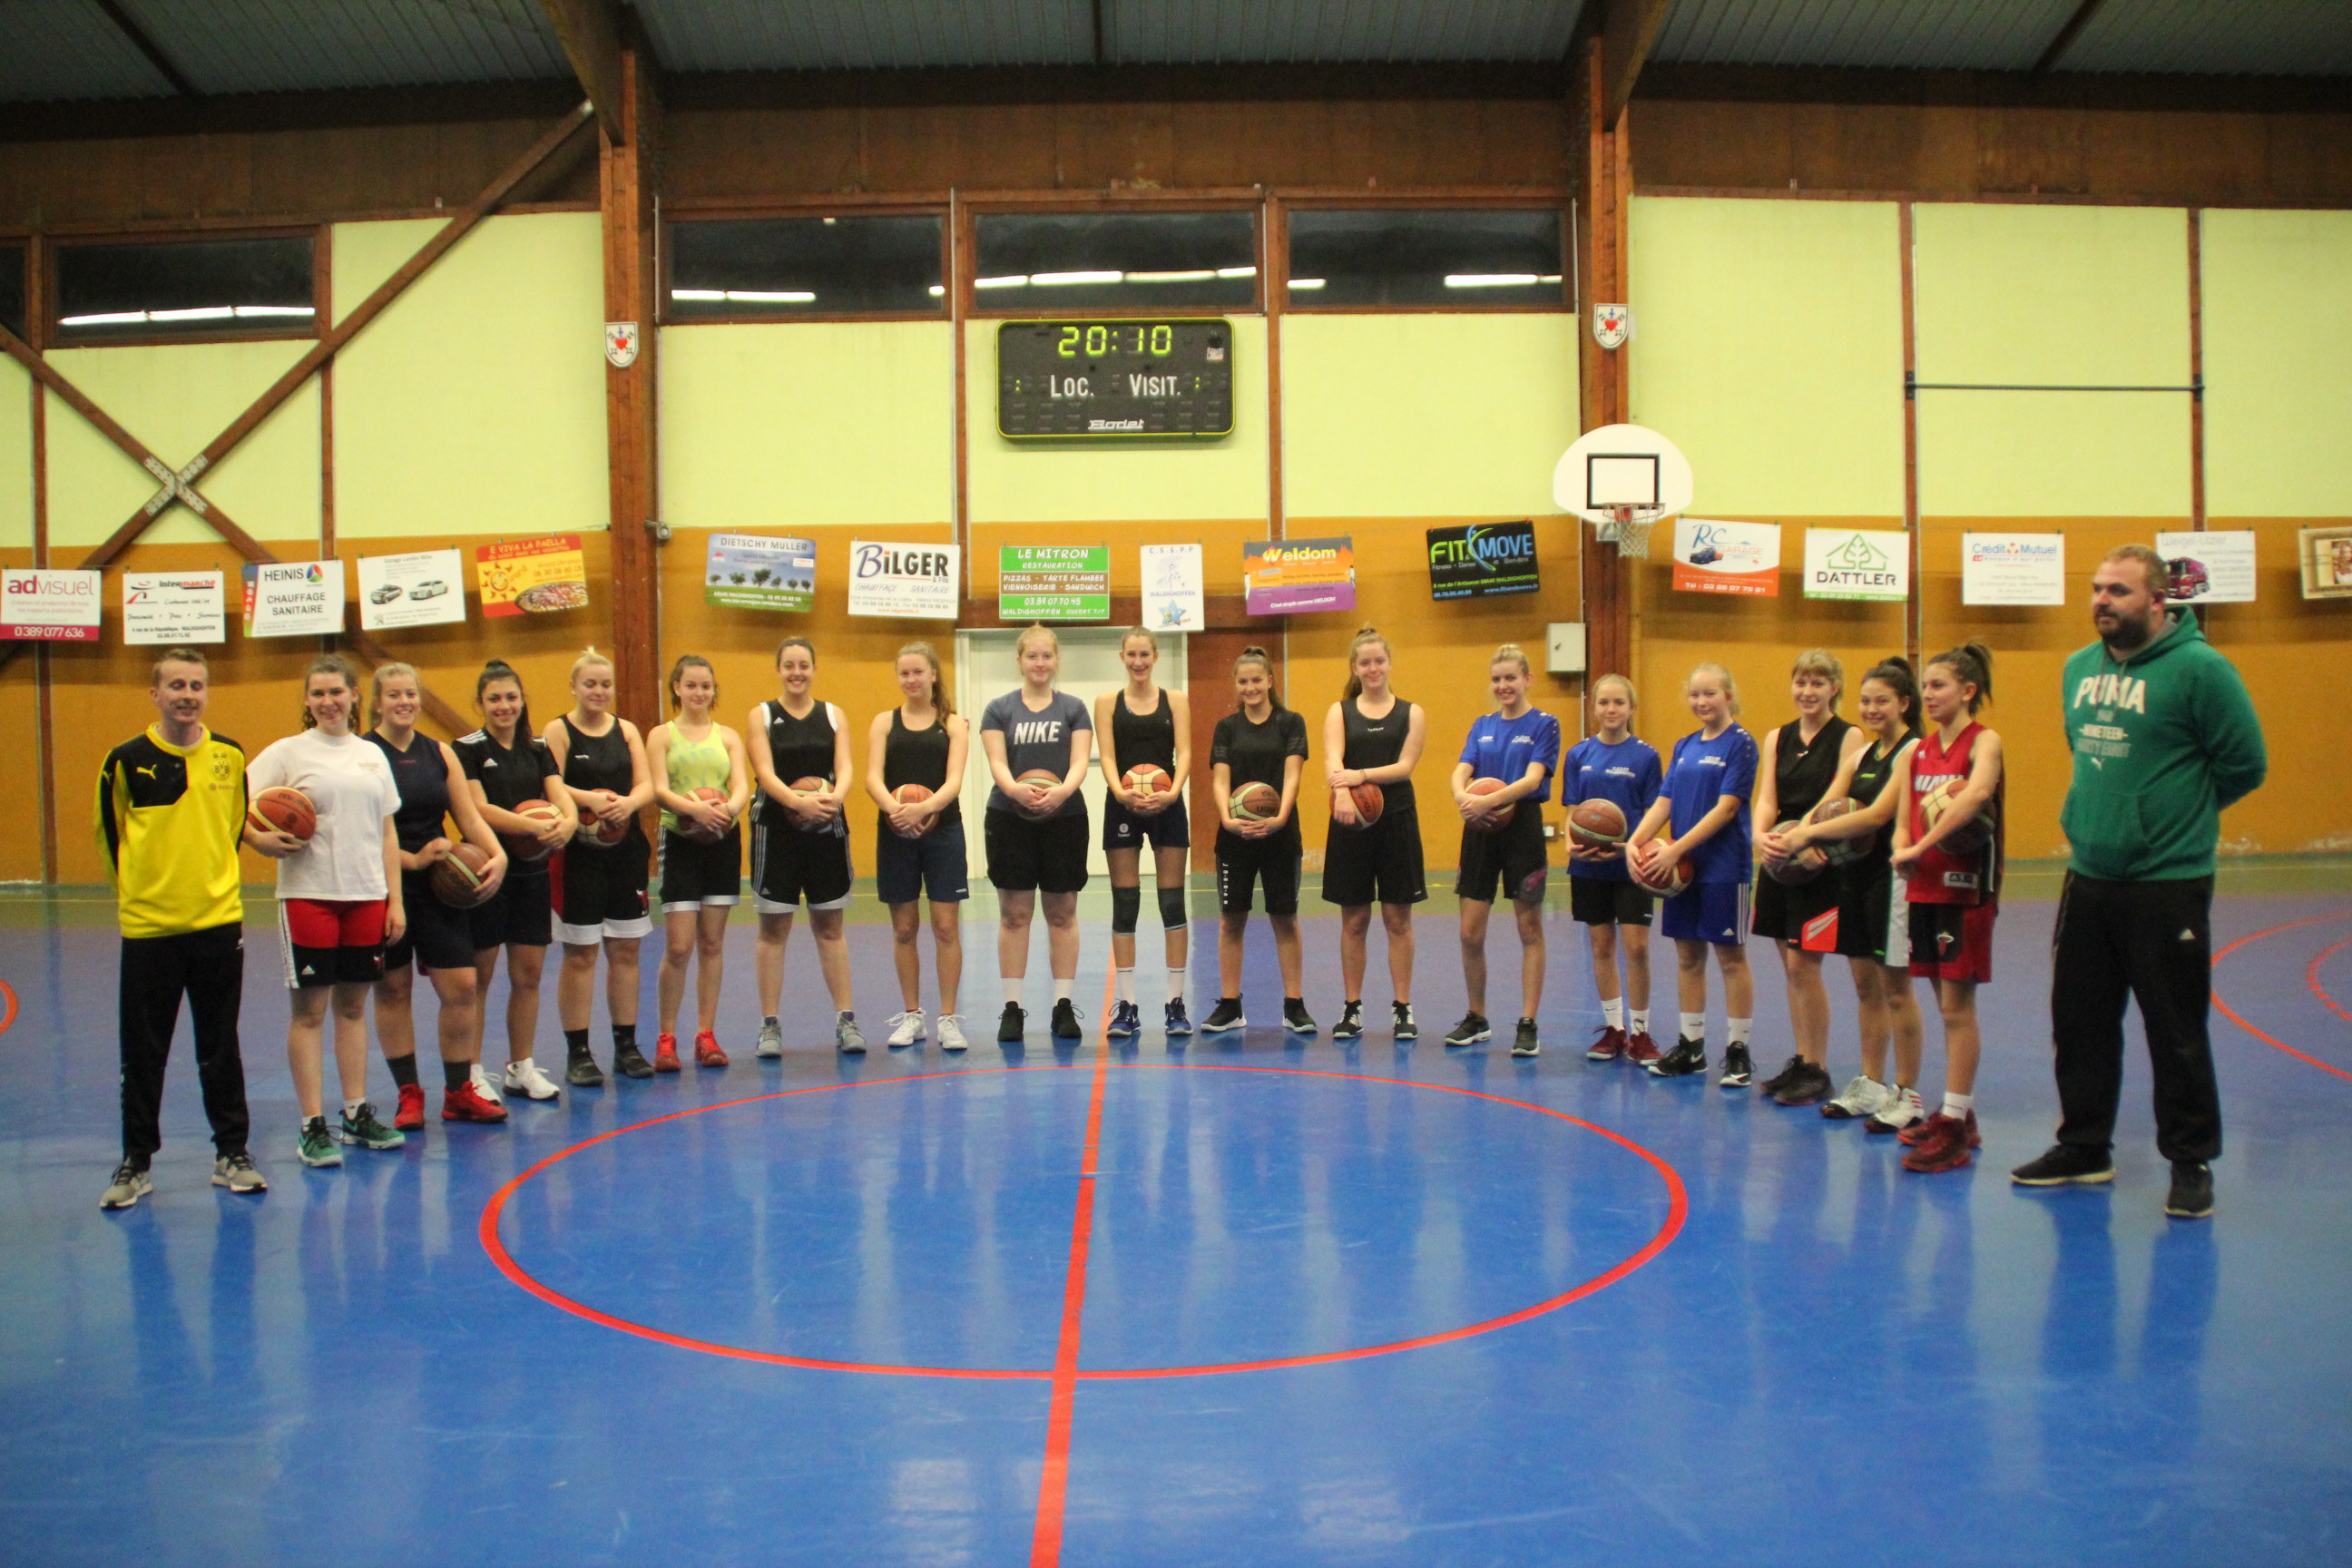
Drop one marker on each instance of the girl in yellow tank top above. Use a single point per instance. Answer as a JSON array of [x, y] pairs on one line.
[[701, 853]]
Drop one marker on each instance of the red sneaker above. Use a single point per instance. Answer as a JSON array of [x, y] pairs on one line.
[[1943, 1147], [706, 1053], [666, 1053], [1607, 1047], [467, 1103], [1642, 1050], [409, 1116], [1916, 1132]]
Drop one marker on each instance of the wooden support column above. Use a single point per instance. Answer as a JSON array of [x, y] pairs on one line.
[[629, 181], [1602, 165]]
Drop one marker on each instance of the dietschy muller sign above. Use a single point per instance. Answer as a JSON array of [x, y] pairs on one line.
[[1474, 560], [43, 604], [907, 581]]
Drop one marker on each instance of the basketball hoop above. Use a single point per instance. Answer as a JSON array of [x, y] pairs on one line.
[[1622, 480], [1628, 529]]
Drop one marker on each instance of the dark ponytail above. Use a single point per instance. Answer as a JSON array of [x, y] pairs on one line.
[[1972, 663], [498, 670], [1265, 661], [1894, 672]]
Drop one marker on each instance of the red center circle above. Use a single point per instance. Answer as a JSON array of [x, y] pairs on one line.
[[1677, 1210]]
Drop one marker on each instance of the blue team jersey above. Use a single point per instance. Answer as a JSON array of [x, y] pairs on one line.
[[1627, 774], [1500, 748], [1701, 774]]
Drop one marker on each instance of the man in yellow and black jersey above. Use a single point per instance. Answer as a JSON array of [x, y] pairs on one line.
[[171, 815]]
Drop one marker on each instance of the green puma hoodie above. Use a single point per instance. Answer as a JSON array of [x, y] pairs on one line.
[[2162, 741]]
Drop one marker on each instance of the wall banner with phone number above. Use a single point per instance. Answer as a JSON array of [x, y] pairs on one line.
[[533, 576]]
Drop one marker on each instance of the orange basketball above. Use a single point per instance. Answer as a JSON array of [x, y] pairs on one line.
[[1970, 836], [1800, 868], [283, 810], [1494, 824], [524, 847], [698, 833], [459, 881], [1148, 778], [1597, 824], [913, 794], [811, 785], [1257, 802], [1664, 887], [1369, 803], [1045, 776], [608, 833], [1841, 851]]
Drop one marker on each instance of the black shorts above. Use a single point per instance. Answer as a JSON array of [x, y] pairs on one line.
[[693, 873], [1609, 901], [1380, 864], [1025, 854], [936, 864], [437, 937], [1951, 941], [1125, 829], [522, 912], [1868, 898], [789, 866], [1513, 858], [1794, 914], [600, 892], [1244, 861]]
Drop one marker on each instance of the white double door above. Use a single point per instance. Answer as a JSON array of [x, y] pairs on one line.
[[986, 669]]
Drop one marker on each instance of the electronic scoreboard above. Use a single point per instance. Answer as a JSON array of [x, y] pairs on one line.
[[1081, 380]]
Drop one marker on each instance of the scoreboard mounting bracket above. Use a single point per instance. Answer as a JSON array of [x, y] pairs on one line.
[[1115, 378]]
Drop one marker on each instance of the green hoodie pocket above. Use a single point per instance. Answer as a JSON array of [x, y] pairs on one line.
[[2103, 832]]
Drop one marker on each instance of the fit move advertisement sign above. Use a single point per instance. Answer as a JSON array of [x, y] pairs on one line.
[[907, 582], [1289, 576], [44, 603], [531, 576], [2012, 569], [421, 588], [1471, 560], [1172, 598], [1712, 557], [166, 607], [2211, 568], [752, 572], [1053, 583], [1857, 564], [293, 598]]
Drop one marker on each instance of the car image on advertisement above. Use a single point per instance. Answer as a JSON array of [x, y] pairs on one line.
[[385, 595], [430, 588]]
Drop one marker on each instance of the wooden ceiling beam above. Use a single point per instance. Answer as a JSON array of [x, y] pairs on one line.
[[590, 32], [165, 65], [1629, 31], [2066, 37]]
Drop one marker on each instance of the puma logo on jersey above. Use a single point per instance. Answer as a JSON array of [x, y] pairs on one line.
[[2112, 691], [148, 772]]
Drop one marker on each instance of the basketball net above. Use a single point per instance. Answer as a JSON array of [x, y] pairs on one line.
[[1628, 529]]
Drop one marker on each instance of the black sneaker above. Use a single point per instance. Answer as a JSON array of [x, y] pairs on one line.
[[2193, 1190], [2064, 1164], [1179, 1022], [1738, 1069], [1126, 1021], [1009, 1027], [1779, 1081], [1065, 1025], [1472, 1029], [630, 1062], [582, 1070], [1351, 1026], [1688, 1057], [1524, 1044], [1295, 1017], [1403, 1029], [1226, 1014], [1804, 1084]]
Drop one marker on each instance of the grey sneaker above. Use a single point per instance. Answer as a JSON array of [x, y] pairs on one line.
[[771, 1039], [236, 1172], [1524, 1042], [129, 1184], [1862, 1095], [362, 1128], [846, 1035], [315, 1145]]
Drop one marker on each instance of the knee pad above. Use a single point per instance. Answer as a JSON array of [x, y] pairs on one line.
[[1172, 911], [1126, 903]]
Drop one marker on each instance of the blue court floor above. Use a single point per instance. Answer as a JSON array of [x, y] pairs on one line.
[[1251, 1301]]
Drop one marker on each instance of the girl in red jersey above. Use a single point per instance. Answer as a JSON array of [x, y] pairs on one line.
[[1953, 895]]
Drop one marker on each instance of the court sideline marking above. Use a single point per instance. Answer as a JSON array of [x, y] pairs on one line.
[[2310, 978], [2231, 1013]]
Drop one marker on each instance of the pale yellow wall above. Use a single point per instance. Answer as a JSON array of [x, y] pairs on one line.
[[15, 456], [175, 398], [475, 403], [2051, 294], [1015, 481], [807, 425], [1770, 350], [1417, 415], [2278, 363], [2053, 454]]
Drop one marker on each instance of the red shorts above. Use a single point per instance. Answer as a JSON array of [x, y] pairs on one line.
[[328, 941], [1952, 942]]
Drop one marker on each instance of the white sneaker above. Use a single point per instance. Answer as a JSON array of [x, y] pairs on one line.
[[1903, 1108], [524, 1078], [485, 1086], [1862, 1095], [951, 1032], [906, 1029], [772, 1040]]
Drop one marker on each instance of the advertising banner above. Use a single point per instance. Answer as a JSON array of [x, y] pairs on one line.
[[294, 599], [2012, 569], [161, 607], [909, 581], [1289, 576], [1857, 564], [1475, 560], [44, 603], [1727, 557], [2215, 568], [1053, 583], [531, 576], [752, 571], [1172, 588], [423, 588]]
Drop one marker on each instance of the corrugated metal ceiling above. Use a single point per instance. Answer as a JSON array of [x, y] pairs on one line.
[[1952, 35], [833, 34], [2254, 37], [55, 49], [1234, 31]]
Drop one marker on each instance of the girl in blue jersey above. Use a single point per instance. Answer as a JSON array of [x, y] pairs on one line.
[[1703, 816], [1503, 841], [1613, 765]]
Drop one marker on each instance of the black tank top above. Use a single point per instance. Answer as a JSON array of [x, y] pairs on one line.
[[916, 757], [1376, 743], [1871, 772], [422, 774], [600, 761], [1144, 737], [1804, 774], [800, 748]]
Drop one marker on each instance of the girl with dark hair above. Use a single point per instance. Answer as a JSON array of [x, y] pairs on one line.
[[1613, 764], [918, 845], [700, 854], [1145, 725], [800, 841], [1372, 736], [1260, 750]]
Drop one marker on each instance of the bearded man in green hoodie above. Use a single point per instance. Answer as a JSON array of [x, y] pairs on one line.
[[2164, 736]]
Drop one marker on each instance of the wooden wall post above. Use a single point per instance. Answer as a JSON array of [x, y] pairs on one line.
[[1602, 167], [629, 182]]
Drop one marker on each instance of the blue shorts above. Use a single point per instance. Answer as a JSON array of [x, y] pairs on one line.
[[1712, 912], [1125, 829], [932, 866]]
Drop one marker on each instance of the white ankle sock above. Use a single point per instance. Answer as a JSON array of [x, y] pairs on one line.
[[1127, 984], [1062, 989], [1957, 1106], [1612, 1012], [1012, 990], [1694, 1026], [1740, 1028], [352, 1107], [1176, 979], [1640, 1020]]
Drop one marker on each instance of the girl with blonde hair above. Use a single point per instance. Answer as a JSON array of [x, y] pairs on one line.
[[800, 842], [1616, 765], [1516, 748], [600, 876], [1146, 725], [700, 856], [920, 844], [1039, 742], [1372, 736]]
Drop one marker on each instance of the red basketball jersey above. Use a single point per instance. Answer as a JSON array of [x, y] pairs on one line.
[[1941, 877]]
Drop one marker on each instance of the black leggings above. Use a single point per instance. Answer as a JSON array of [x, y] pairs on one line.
[[209, 967]]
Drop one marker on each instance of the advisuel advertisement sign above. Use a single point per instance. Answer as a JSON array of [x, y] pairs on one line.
[[1472, 560]]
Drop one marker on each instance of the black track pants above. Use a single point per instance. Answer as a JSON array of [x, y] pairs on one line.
[[209, 967], [2151, 943]]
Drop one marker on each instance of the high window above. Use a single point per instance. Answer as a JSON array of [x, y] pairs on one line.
[[752, 267], [1139, 261], [1417, 257], [203, 287], [11, 288]]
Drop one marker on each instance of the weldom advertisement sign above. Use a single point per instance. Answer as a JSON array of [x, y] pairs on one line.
[[1285, 576], [1474, 560], [1857, 564]]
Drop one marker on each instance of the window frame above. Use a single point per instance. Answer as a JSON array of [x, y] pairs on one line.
[[770, 209], [319, 235], [973, 306], [21, 240], [1558, 202]]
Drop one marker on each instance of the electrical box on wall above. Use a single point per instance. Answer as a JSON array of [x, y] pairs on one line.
[[1564, 647]]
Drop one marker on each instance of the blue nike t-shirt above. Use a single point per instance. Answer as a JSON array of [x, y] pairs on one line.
[[1500, 748], [1627, 774], [1701, 774]]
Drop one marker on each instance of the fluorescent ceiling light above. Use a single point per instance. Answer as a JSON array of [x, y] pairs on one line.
[[190, 313], [937, 291], [194, 313], [1236, 271], [770, 296], [701, 294], [1051, 279], [1306, 283], [103, 319], [1491, 280], [1019, 280], [248, 311], [1200, 276]]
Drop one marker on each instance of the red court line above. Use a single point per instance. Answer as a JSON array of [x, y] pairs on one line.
[[2231, 1013], [2310, 978], [9, 1018]]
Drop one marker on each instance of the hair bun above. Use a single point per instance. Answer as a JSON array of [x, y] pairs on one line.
[[1254, 651]]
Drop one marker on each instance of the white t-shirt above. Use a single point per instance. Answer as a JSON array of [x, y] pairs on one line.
[[351, 786]]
